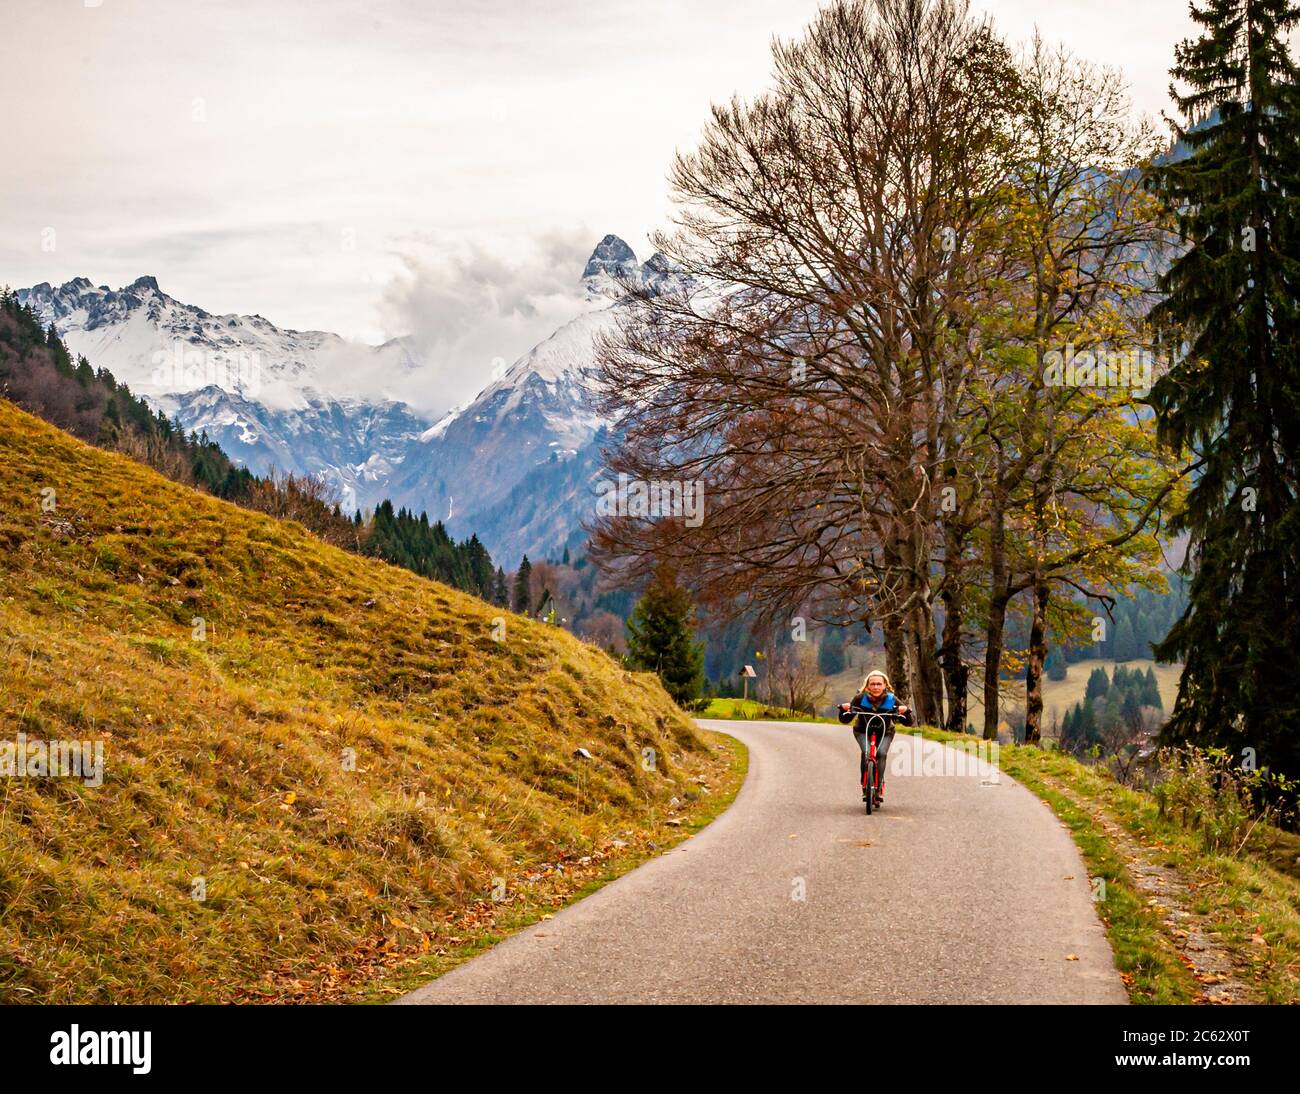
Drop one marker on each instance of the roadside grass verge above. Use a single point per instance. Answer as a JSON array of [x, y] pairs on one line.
[[532, 899], [1186, 926], [751, 710]]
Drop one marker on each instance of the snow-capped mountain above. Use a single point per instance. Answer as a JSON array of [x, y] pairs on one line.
[[353, 444], [538, 411], [272, 398], [515, 466]]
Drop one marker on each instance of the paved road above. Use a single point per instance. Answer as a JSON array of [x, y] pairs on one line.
[[964, 888]]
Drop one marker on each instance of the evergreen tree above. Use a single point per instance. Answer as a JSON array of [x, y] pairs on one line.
[[1087, 723], [1151, 691], [830, 654], [1125, 641], [1130, 709], [1143, 635], [522, 599], [479, 563], [1055, 664], [1232, 298], [661, 639], [500, 592], [1098, 684], [426, 549]]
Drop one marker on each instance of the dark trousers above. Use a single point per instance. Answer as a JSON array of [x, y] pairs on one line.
[[882, 750]]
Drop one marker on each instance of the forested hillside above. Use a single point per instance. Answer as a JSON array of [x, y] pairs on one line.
[[38, 374]]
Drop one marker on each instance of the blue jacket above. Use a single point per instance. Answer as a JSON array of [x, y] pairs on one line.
[[860, 703]]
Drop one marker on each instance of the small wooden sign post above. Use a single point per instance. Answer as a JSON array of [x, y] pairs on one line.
[[747, 674]]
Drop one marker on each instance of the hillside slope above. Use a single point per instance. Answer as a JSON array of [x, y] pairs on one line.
[[348, 759]]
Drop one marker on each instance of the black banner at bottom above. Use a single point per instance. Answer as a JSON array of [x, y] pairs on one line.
[[145, 1044]]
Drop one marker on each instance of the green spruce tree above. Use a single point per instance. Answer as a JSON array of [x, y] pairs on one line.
[[522, 599], [661, 638], [1232, 299], [1151, 691], [830, 652], [1126, 646], [1098, 683]]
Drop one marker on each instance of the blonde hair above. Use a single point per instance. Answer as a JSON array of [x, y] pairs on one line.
[[876, 672]]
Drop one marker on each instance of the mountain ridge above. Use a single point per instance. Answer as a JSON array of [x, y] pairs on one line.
[[270, 397]]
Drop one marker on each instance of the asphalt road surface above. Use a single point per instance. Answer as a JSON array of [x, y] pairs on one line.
[[963, 888]]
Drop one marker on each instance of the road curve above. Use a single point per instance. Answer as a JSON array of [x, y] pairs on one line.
[[964, 888]]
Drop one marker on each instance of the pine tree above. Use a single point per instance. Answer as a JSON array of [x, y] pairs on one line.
[[1087, 723], [1098, 683], [830, 653], [1067, 726], [661, 638], [1144, 634], [522, 598], [500, 592], [1232, 298], [1125, 641], [479, 563], [1151, 691], [1131, 709]]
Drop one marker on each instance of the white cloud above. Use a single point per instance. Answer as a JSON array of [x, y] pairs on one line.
[[466, 310], [300, 159]]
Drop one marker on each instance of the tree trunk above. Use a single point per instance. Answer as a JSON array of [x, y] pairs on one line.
[[951, 595], [993, 664], [955, 672], [1034, 669], [928, 688], [918, 623], [997, 617], [896, 655]]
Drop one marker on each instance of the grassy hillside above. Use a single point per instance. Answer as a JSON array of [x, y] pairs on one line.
[[361, 774]]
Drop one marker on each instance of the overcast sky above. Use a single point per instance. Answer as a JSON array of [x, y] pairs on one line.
[[387, 167]]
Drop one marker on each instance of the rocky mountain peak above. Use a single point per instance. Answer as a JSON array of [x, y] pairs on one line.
[[612, 256]]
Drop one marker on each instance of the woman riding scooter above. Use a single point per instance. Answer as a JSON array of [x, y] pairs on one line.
[[876, 697]]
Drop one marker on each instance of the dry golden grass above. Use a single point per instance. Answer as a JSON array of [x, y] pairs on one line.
[[231, 759]]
